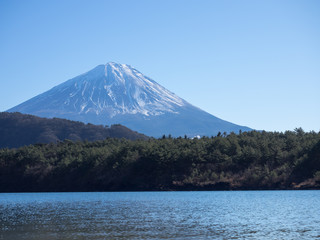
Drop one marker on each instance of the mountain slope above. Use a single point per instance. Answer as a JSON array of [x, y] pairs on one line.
[[18, 130], [117, 93]]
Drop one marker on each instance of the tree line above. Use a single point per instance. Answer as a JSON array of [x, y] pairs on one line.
[[248, 160]]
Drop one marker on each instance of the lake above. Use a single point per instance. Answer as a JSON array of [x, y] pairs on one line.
[[161, 215]]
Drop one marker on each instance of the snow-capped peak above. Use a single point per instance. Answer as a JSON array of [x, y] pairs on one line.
[[118, 93], [114, 89]]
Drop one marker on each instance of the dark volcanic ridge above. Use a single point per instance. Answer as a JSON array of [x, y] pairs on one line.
[[18, 130]]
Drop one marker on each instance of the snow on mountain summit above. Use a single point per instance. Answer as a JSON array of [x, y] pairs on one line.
[[112, 89], [119, 89], [118, 93]]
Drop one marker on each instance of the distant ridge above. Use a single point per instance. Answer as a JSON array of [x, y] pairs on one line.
[[18, 130], [118, 93]]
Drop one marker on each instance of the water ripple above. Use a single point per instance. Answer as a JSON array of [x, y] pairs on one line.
[[161, 215]]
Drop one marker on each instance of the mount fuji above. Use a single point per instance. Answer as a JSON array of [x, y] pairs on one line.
[[119, 94]]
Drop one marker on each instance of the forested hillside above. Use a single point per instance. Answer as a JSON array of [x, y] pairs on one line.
[[18, 130], [249, 160]]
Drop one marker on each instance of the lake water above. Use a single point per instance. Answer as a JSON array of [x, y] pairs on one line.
[[161, 215]]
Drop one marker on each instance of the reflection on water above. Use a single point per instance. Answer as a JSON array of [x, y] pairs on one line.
[[161, 215]]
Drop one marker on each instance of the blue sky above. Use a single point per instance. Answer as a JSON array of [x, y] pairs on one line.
[[254, 63]]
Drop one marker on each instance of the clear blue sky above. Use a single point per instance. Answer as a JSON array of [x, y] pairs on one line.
[[254, 63]]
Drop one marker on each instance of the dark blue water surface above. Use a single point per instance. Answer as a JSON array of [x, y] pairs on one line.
[[161, 215]]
